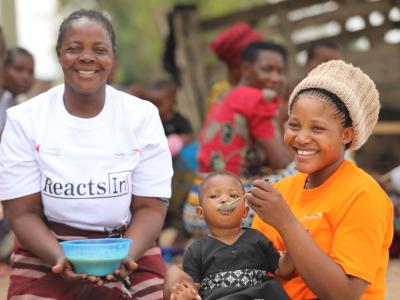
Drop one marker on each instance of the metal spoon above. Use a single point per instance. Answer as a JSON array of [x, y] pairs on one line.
[[228, 205]]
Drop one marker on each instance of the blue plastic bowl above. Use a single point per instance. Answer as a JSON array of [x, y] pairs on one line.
[[96, 257]]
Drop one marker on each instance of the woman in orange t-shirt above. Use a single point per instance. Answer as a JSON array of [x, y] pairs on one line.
[[333, 218]]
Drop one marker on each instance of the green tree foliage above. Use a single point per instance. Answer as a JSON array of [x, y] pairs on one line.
[[140, 26]]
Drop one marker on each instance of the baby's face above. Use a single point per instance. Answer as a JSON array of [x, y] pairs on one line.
[[223, 202], [164, 100]]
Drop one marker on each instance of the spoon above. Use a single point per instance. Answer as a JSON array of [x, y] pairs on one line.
[[228, 205]]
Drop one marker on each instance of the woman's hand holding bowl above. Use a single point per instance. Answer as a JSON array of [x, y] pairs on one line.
[[65, 269], [127, 266]]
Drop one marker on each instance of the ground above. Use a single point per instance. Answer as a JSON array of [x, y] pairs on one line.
[[393, 279]]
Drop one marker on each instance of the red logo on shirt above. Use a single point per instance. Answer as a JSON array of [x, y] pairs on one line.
[[37, 148]]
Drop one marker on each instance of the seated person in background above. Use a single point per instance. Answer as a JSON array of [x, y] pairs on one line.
[[320, 52], [18, 78], [18, 71], [136, 90], [317, 53], [230, 262], [177, 128]]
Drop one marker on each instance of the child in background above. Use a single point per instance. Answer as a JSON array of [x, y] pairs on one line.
[[18, 71], [320, 52], [230, 262], [177, 128], [18, 79]]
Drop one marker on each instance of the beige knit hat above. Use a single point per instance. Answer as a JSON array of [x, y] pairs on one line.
[[354, 88]]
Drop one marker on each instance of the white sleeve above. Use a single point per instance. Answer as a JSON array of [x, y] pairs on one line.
[[19, 171], [152, 176]]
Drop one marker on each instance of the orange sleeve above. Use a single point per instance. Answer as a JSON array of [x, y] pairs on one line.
[[358, 238], [269, 232]]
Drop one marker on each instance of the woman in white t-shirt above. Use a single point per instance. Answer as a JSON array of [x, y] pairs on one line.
[[84, 160]]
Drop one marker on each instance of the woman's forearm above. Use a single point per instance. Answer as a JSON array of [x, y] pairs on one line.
[[320, 273], [34, 235], [286, 266], [145, 227]]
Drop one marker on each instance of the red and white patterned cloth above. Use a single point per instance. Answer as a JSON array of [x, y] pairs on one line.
[[32, 278]]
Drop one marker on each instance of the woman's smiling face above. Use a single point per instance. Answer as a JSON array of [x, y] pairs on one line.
[[267, 71], [316, 136], [86, 56]]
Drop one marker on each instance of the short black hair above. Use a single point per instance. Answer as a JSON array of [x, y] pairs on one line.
[[11, 53], [250, 52], [310, 51], [217, 173], [90, 14]]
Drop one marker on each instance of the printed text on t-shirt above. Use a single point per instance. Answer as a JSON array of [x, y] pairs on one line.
[[116, 184]]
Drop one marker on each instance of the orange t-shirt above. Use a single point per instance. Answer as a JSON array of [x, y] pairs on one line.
[[350, 218]]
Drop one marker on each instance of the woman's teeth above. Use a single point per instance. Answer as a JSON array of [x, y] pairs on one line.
[[305, 152], [86, 73]]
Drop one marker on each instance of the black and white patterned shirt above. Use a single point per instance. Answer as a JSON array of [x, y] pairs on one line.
[[240, 268]]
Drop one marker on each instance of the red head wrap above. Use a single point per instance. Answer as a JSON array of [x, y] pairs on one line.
[[229, 43]]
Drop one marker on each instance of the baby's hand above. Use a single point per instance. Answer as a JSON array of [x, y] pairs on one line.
[[184, 291]]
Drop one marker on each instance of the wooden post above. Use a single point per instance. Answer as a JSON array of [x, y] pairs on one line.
[[189, 57]]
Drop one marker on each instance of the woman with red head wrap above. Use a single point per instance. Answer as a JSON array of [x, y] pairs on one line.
[[227, 45]]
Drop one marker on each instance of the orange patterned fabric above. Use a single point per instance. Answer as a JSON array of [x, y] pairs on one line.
[[31, 277], [350, 218]]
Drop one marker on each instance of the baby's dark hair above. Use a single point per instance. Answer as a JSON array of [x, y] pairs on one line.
[[91, 15], [212, 175], [250, 52], [11, 53], [342, 112]]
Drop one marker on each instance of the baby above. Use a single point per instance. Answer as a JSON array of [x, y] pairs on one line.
[[230, 262]]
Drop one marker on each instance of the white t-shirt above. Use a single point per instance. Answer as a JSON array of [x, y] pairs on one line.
[[86, 169]]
